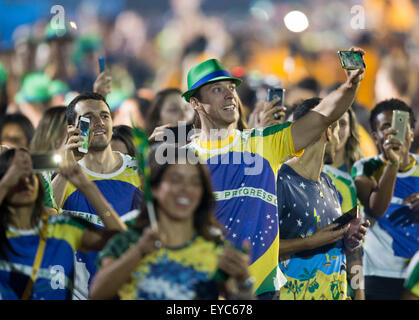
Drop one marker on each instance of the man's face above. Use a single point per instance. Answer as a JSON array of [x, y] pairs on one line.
[[383, 122], [219, 101], [331, 146], [100, 122]]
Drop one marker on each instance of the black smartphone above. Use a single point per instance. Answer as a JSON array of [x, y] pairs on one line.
[[275, 93], [49, 161], [351, 60], [347, 217], [178, 132]]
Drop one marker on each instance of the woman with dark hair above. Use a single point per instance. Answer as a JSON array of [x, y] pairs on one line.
[[348, 151], [122, 140], [37, 251], [167, 109], [179, 260]]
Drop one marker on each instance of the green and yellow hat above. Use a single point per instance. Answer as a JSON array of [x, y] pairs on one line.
[[208, 71], [35, 88]]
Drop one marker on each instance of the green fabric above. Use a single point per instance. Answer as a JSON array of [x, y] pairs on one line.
[[204, 69], [49, 200], [267, 131], [118, 245], [366, 167], [3, 74], [412, 280], [58, 87]]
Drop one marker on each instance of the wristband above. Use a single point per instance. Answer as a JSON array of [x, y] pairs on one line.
[[393, 163]]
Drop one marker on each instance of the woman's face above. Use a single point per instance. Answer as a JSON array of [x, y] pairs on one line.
[[180, 191], [344, 131], [24, 193], [175, 109]]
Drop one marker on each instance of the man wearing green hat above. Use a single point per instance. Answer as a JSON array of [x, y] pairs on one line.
[[34, 97], [244, 164]]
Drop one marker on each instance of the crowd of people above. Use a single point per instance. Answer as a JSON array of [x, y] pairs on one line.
[[246, 192]]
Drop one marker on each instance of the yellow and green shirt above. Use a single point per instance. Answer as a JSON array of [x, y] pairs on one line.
[[56, 273], [412, 280], [244, 169], [182, 273], [345, 186]]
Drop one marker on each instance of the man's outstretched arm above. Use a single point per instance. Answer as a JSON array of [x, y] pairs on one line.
[[308, 128]]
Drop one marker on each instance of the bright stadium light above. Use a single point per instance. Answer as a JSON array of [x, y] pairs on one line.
[[296, 21]]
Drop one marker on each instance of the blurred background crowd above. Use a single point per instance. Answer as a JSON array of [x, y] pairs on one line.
[[150, 45]]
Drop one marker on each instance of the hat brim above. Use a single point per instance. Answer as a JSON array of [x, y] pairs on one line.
[[188, 94]]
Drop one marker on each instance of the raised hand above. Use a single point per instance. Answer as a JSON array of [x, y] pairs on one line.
[[103, 84], [20, 166]]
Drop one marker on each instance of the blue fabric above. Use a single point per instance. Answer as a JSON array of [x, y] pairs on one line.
[[208, 77]]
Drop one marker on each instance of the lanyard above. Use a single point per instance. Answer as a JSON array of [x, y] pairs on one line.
[[38, 259]]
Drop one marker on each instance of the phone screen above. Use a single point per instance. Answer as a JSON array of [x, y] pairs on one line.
[[275, 93], [84, 126], [49, 161], [351, 60]]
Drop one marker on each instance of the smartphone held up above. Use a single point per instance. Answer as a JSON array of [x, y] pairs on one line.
[[399, 123], [351, 60], [347, 217], [276, 93], [84, 126]]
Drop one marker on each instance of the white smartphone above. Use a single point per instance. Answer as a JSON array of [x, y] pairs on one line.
[[399, 123], [84, 126]]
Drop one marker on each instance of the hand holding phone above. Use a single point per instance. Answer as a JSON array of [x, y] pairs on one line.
[[276, 93], [347, 217]]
